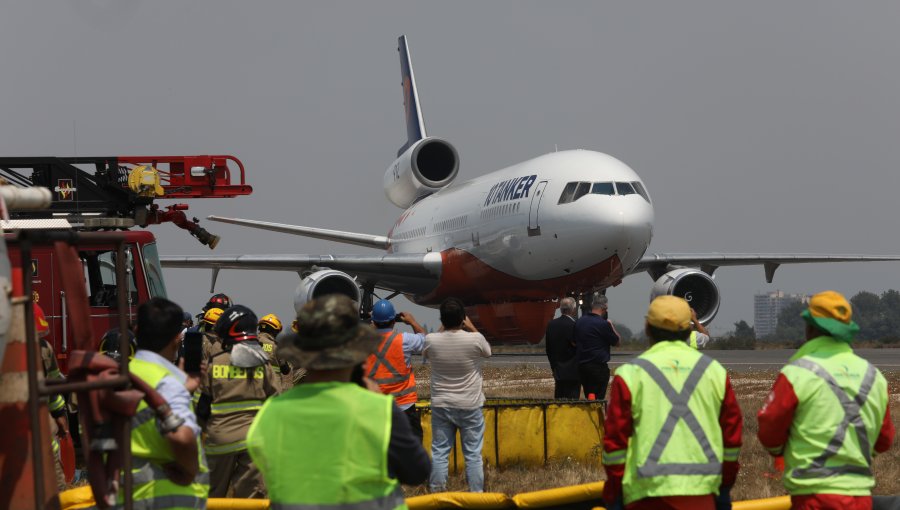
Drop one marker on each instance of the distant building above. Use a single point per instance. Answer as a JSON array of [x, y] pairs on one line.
[[767, 307]]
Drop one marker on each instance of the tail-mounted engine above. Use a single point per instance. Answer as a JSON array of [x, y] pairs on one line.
[[695, 286], [427, 166], [324, 282]]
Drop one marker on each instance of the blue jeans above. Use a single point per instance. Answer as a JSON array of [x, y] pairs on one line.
[[444, 423]]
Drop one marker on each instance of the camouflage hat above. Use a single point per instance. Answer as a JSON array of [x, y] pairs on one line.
[[330, 336]]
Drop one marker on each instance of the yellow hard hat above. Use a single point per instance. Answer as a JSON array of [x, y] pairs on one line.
[[271, 320], [212, 316]]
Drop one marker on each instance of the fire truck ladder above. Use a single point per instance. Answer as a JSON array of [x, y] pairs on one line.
[[119, 192]]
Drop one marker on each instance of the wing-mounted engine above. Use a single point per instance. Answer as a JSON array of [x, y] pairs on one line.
[[695, 286], [424, 168], [324, 282]]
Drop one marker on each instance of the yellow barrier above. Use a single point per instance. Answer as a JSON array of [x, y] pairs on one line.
[[82, 497], [532, 432], [561, 496], [780, 503], [483, 501]]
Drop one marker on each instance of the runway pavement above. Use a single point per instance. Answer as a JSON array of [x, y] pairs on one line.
[[884, 359]]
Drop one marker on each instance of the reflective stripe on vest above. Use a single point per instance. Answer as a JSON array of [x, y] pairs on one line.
[[233, 407], [852, 416], [389, 502], [143, 471], [680, 409], [382, 361], [222, 449], [388, 368]]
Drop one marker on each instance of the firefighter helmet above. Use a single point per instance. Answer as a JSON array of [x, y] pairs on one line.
[[270, 322], [218, 301], [212, 316], [237, 324], [111, 345], [41, 326]]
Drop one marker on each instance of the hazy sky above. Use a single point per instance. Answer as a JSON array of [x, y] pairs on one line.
[[756, 126]]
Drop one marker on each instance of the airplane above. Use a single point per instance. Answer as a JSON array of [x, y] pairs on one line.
[[509, 243]]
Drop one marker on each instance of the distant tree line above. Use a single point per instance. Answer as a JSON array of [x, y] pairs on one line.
[[878, 318]]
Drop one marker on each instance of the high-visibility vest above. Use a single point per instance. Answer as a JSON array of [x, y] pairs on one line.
[[692, 340], [387, 367], [841, 402], [676, 399], [325, 445], [150, 451]]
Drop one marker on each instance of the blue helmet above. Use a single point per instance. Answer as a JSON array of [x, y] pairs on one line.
[[383, 312]]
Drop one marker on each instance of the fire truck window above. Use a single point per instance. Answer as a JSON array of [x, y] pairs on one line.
[[153, 271], [100, 276]]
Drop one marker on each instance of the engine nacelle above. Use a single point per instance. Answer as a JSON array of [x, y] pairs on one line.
[[427, 166], [324, 282], [695, 286]]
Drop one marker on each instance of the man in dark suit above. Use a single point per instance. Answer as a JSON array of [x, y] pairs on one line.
[[561, 351]]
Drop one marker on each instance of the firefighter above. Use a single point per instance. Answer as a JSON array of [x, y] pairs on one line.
[[269, 328], [673, 425], [827, 413], [238, 380], [110, 345], [59, 424], [221, 301], [390, 366], [211, 343]]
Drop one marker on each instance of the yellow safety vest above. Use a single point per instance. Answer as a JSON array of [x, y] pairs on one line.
[[150, 451], [676, 449]]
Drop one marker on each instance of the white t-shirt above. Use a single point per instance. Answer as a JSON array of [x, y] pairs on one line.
[[455, 358]]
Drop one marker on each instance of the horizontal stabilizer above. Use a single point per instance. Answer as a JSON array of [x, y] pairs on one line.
[[368, 240]]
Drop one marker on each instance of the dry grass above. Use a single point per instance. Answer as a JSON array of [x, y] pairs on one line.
[[757, 479]]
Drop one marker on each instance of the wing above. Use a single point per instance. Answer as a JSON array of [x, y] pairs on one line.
[[404, 273], [658, 263]]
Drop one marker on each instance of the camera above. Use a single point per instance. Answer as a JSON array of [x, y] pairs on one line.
[[398, 317]]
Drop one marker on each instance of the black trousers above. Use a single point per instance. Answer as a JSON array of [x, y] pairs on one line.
[[415, 421], [594, 377], [567, 389]]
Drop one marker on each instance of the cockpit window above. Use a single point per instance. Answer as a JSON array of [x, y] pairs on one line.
[[568, 193], [575, 190], [625, 188], [603, 188], [642, 191], [583, 189]]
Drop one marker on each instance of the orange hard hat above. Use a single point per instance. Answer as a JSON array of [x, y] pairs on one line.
[[41, 326]]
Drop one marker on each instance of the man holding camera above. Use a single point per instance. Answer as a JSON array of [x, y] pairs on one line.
[[391, 365]]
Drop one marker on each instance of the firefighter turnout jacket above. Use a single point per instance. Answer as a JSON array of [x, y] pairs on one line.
[[236, 394]]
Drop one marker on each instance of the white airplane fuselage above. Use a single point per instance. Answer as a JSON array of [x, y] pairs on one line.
[[508, 234]]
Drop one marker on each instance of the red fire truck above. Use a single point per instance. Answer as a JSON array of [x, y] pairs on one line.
[[111, 193]]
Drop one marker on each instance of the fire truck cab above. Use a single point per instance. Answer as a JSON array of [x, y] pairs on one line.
[[144, 275]]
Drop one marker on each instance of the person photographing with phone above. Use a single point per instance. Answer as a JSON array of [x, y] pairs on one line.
[[237, 383], [168, 465], [391, 365]]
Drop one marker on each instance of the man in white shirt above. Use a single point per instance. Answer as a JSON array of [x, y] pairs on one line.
[[456, 354]]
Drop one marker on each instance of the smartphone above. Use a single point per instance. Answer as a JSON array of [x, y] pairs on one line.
[[192, 348]]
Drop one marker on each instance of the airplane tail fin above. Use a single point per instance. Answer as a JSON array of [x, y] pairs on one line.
[[415, 123]]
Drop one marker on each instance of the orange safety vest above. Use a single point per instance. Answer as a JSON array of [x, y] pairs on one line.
[[388, 368]]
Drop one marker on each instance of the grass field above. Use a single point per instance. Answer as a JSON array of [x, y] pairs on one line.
[[757, 479]]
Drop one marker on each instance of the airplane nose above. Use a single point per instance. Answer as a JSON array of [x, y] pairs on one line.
[[637, 230]]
